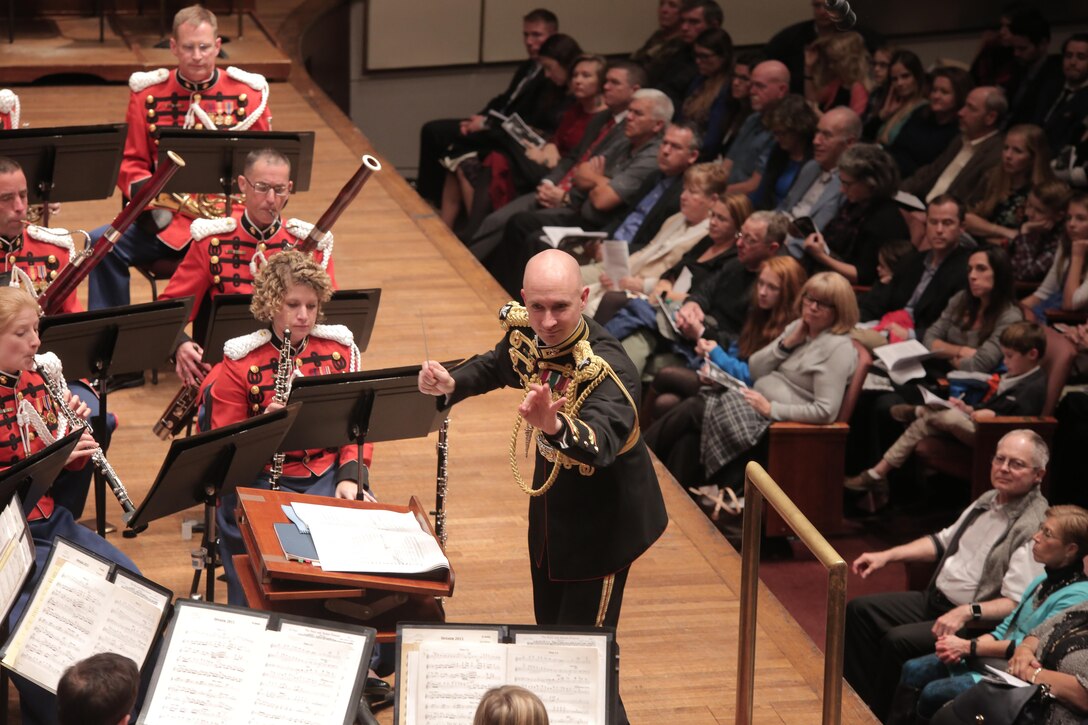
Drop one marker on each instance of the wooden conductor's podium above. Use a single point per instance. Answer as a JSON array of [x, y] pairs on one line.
[[275, 584]]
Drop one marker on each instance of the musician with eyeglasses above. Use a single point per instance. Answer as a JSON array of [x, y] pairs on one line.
[[226, 254], [30, 419], [197, 95], [984, 563]]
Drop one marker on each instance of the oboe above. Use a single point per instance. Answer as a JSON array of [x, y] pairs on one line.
[[99, 458], [441, 482], [281, 391]]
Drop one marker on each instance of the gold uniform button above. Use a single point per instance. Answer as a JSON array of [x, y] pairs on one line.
[[197, 98], [261, 247], [53, 274], [336, 356], [152, 128], [31, 435], [199, 127], [151, 113], [18, 396], [150, 99], [242, 98], [255, 390], [214, 242], [52, 259], [255, 408], [298, 362], [11, 259], [254, 369], [215, 279], [214, 259], [156, 141]]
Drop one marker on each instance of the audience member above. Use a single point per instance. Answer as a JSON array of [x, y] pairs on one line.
[[1025, 161], [748, 154], [908, 88], [1063, 104], [510, 705], [674, 74], [739, 105], [994, 64], [1070, 163], [984, 564], [817, 192], [929, 130], [792, 123], [1021, 390], [1066, 283], [99, 690], [928, 682], [706, 103], [880, 65], [869, 218], [1036, 68], [667, 36], [1033, 248], [602, 189], [519, 97], [961, 167], [837, 72]]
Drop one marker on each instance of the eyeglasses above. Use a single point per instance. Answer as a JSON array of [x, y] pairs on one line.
[[818, 304], [193, 49], [1015, 464], [748, 238], [280, 190]]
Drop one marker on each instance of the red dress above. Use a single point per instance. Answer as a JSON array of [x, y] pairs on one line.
[[231, 99], [226, 253], [39, 254]]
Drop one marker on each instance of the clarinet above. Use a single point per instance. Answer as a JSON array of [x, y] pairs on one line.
[[99, 458], [441, 483], [281, 391]]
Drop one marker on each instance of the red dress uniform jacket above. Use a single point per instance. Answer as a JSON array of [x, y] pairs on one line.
[[231, 99], [39, 254], [9, 110], [243, 384], [226, 253], [25, 407]]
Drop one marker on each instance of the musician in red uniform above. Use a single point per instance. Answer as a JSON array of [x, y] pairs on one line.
[[225, 254], [9, 109], [197, 95], [288, 293], [30, 419]]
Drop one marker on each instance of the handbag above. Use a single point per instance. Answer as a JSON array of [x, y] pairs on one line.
[[996, 703]]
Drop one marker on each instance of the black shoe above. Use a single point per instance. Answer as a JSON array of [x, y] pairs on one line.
[[128, 380], [378, 694]]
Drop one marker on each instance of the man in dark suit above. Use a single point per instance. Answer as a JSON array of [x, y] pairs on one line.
[[528, 81], [1036, 68], [962, 168], [1063, 104]]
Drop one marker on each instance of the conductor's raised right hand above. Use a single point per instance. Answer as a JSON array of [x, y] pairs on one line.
[[435, 379], [188, 363]]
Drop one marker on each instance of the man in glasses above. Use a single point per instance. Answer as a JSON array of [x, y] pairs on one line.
[[197, 95], [983, 560], [225, 254]]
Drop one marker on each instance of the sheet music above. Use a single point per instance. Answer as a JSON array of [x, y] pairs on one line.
[[616, 259], [16, 554], [410, 640], [566, 679], [452, 679], [371, 540], [204, 676]]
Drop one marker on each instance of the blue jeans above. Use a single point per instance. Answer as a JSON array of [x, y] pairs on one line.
[[936, 682], [109, 280]]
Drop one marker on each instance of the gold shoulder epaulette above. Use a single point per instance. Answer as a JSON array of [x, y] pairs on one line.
[[513, 315]]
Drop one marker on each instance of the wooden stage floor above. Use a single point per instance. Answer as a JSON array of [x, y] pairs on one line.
[[678, 631]]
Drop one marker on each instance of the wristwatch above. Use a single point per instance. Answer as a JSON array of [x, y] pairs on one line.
[[976, 611]]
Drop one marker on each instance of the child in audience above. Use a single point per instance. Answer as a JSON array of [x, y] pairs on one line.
[[1065, 286], [1032, 250], [1020, 391]]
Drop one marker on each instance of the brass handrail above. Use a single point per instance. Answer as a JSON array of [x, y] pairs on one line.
[[759, 485]]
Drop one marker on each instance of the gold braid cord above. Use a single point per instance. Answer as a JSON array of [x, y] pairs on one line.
[[587, 372]]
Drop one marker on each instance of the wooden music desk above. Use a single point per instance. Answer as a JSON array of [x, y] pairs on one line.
[[273, 583]]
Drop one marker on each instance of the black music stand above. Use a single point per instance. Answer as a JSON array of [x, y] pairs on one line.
[[67, 163], [374, 406], [31, 477], [230, 317], [214, 159], [201, 468], [112, 341]]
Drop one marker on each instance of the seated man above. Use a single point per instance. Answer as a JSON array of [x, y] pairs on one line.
[[672, 72], [748, 154], [1063, 104], [983, 560], [1037, 69], [602, 190]]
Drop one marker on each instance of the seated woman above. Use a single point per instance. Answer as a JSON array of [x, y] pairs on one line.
[[678, 234], [930, 129], [773, 305], [868, 219], [928, 682], [706, 103], [739, 104], [837, 72], [908, 91], [1020, 391], [32, 420], [1065, 286], [288, 293], [801, 376], [557, 56], [1025, 161], [793, 124], [882, 82], [1033, 248]]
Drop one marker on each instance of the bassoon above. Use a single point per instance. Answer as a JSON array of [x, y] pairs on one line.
[[52, 298], [183, 406]]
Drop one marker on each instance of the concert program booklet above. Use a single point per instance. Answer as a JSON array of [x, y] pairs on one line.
[[223, 665], [444, 669], [84, 604]]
